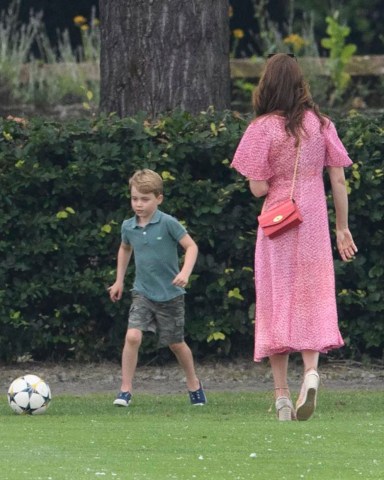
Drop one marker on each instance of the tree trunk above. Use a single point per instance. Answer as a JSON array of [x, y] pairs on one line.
[[158, 56]]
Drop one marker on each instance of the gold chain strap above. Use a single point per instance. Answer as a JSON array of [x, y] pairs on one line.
[[295, 170], [294, 176]]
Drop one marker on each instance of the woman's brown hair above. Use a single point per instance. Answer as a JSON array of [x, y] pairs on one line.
[[282, 89]]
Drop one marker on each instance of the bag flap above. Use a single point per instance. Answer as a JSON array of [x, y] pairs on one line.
[[277, 215]]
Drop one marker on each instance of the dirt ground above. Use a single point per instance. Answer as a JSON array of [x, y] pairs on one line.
[[219, 375]]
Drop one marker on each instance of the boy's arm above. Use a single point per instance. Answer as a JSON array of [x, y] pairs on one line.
[[344, 240], [123, 258], [191, 251]]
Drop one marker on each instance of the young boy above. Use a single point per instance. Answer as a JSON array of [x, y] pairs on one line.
[[158, 289]]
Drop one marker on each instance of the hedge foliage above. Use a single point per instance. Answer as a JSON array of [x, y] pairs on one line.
[[63, 196]]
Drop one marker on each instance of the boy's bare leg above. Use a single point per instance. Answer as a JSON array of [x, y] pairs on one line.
[[129, 358], [185, 358]]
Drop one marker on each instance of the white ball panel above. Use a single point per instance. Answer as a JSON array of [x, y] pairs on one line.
[[22, 399], [16, 407], [31, 379], [40, 410], [36, 401], [18, 385], [43, 389]]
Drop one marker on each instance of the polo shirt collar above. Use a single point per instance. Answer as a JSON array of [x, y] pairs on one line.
[[155, 219]]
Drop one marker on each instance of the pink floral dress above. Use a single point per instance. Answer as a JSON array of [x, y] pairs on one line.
[[294, 273]]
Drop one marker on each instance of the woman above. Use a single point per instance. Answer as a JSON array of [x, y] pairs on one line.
[[294, 273]]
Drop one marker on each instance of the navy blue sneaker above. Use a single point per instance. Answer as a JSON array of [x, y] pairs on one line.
[[123, 399], [198, 396]]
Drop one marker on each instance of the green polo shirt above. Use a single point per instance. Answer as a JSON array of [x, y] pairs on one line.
[[156, 255]]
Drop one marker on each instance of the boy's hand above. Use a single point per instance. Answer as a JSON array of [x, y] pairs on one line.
[[181, 280], [115, 291]]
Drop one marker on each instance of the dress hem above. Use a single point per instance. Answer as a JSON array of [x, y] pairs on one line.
[[288, 350]]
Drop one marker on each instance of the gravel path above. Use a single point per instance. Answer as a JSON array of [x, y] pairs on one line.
[[219, 375]]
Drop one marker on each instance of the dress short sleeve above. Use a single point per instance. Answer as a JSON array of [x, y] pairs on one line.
[[336, 154], [251, 156]]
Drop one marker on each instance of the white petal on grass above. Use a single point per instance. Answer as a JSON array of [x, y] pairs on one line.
[[253, 455]]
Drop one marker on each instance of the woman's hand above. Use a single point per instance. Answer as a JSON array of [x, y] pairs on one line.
[[345, 244]]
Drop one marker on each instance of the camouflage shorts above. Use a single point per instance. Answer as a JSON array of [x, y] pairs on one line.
[[164, 318]]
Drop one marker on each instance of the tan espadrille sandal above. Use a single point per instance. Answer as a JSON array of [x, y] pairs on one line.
[[306, 404], [284, 409]]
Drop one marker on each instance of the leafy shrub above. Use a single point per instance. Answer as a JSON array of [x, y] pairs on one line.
[[361, 293], [340, 54], [63, 196]]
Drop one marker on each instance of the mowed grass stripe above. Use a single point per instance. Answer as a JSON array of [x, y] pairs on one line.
[[235, 436]]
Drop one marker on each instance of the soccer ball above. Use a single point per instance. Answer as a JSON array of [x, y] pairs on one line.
[[29, 395]]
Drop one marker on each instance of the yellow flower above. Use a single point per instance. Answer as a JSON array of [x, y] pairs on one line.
[[167, 176], [79, 20], [296, 41], [84, 28], [7, 136], [238, 33]]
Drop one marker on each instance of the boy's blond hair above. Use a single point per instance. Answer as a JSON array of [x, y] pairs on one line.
[[147, 181]]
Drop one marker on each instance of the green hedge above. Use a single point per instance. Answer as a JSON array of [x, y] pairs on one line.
[[63, 196], [361, 283]]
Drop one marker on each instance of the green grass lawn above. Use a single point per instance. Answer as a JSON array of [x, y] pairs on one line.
[[162, 437]]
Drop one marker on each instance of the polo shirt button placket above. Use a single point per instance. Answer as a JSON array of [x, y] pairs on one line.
[[145, 237]]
